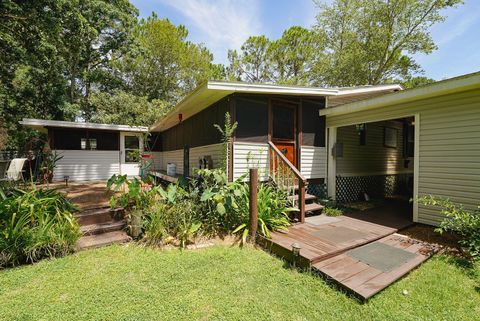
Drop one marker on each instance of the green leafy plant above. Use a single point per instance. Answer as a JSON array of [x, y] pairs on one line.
[[465, 223], [226, 132], [273, 210], [333, 211], [48, 165], [36, 224]]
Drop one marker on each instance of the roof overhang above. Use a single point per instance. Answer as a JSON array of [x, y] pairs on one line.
[[444, 87], [213, 91], [42, 125]]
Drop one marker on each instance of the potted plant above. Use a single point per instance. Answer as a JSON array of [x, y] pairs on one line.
[[49, 162]]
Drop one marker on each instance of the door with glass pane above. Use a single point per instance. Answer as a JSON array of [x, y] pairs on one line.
[[283, 129], [131, 148]]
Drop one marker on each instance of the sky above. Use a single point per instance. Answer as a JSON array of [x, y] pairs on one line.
[[225, 24]]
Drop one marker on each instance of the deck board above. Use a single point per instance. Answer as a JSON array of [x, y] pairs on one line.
[[331, 259]]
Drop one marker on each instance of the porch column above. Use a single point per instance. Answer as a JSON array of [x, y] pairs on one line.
[[331, 163]]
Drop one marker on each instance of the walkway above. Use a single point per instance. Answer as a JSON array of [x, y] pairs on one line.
[[355, 251]]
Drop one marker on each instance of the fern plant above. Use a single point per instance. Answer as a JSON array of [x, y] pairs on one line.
[[227, 133]]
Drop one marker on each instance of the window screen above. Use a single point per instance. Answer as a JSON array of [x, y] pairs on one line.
[[252, 117], [313, 125], [283, 122]]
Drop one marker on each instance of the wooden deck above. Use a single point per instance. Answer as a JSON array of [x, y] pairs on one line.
[[328, 245]]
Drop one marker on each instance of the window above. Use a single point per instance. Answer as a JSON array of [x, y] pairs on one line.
[[362, 133], [409, 139], [83, 143], [283, 122], [390, 137], [132, 149], [93, 143]]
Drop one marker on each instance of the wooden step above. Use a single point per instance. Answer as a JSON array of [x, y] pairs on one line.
[[93, 229], [313, 207], [308, 197], [98, 215], [95, 241]]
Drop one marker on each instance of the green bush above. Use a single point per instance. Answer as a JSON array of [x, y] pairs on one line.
[[36, 224], [333, 211], [209, 206], [463, 222]]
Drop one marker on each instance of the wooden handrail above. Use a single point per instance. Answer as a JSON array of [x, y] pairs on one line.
[[302, 182], [290, 165]]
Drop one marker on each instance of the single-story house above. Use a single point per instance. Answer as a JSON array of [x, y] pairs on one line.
[[354, 143], [92, 151]]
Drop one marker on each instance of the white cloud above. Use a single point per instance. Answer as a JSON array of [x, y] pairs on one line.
[[220, 25]]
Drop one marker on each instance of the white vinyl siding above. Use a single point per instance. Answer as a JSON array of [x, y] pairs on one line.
[[449, 146], [87, 165], [373, 158], [250, 155], [161, 159], [313, 162]]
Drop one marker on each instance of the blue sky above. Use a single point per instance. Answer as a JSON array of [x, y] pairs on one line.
[[225, 24]]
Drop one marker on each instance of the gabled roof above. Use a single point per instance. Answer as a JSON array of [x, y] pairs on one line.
[[443, 87], [42, 125], [213, 91]]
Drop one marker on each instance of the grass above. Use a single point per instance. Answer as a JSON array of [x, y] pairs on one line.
[[135, 283]]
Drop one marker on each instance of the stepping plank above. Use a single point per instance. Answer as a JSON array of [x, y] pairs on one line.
[[365, 280]]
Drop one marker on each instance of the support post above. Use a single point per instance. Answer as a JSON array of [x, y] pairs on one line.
[[253, 203], [301, 200]]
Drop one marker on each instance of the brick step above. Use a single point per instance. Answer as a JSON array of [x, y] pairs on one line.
[[99, 215], [313, 207], [93, 229], [308, 197], [99, 240]]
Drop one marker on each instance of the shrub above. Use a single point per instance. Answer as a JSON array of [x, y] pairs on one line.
[[333, 211], [36, 224], [273, 209], [465, 223]]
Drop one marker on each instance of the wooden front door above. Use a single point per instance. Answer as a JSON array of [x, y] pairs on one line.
[[284, 128]]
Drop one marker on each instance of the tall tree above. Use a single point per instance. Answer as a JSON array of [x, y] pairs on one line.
[[291, 56], [165, 65], [252, 64], [373, 41], [53, 52]]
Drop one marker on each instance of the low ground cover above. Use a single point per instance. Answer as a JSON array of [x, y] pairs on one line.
[[228, 283]]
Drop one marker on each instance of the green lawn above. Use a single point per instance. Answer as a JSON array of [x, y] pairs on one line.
[[134, 283]]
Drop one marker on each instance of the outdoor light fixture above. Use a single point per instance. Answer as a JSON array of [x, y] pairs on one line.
[[296, 249], [180, 117]]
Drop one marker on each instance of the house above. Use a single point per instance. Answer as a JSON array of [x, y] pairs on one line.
[[437, 153], [352, 143], [92, 151]]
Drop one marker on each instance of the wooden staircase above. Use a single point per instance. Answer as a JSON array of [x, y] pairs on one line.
[[287, 177], [101, 227]]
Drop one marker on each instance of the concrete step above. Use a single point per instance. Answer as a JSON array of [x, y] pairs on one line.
[[308, 197], [99, 240], [98, 228], [313, 207], [99, 215]]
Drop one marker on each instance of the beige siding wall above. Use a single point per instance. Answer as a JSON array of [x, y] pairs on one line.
[[87, 165], [373, 158], [313, 162], [449, 146], [248, 155]]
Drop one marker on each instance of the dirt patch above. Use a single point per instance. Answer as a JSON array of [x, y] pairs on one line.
[[85, 195], [448, 242]]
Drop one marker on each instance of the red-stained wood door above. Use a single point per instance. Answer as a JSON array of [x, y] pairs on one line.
[[283, 129]]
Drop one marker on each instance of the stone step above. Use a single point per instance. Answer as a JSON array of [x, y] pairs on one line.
[[98, 215], [98, 228], [313, 207], [104, 239], [308, 197]]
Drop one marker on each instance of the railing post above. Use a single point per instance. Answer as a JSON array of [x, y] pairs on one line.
[[253, 203], [301, 200]]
